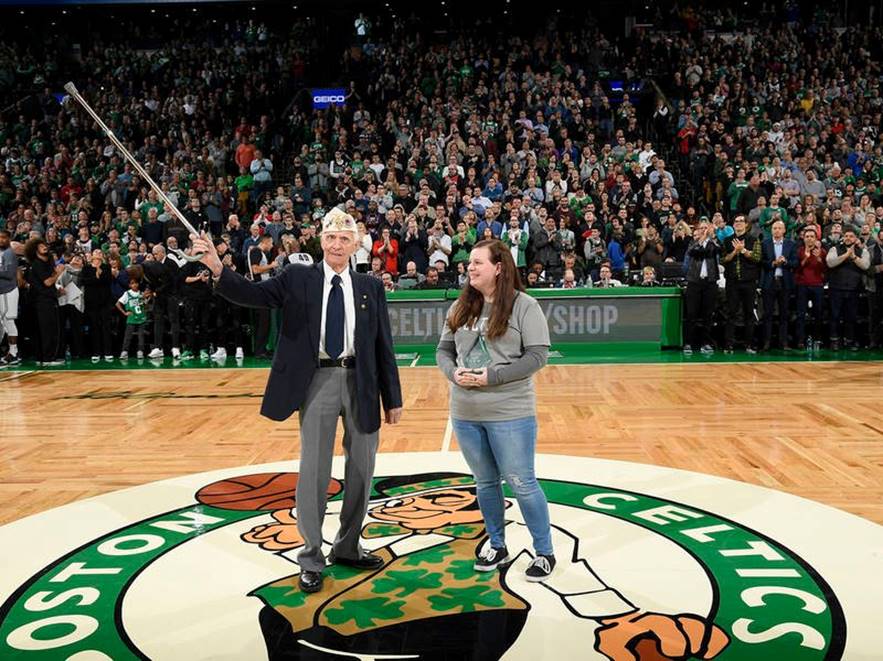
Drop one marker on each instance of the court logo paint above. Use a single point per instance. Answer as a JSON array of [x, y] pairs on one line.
[[639, 577]]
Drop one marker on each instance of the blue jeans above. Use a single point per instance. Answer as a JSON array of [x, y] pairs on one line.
[[505, 450]]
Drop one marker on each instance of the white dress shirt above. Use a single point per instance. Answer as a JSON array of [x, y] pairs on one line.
[[349, 309], [777, 250]]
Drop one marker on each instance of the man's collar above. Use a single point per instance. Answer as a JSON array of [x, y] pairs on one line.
[[329, 273]]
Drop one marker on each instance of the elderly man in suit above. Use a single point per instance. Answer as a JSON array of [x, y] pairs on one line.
[[334, 358], [779, 261]]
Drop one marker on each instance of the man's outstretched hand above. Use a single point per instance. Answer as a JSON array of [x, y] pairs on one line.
[[203, 244]]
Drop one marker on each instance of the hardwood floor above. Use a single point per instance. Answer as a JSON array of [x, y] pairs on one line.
[[811, 429]]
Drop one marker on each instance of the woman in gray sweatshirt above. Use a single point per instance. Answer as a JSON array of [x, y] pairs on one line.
[[495, 337]]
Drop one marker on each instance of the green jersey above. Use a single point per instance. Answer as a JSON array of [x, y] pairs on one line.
[[133, 302], [144, 210], [244, 182]]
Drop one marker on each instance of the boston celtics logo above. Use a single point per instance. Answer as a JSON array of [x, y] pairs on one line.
[[641, 575]]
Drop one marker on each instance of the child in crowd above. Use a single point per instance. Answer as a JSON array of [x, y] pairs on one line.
[[131, 304]]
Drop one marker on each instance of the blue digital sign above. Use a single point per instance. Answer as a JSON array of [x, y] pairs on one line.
[[326, 97]]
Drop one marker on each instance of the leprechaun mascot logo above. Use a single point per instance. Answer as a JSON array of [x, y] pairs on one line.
[[427, 602]]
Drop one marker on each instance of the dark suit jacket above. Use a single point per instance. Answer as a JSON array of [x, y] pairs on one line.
[[298, 291], [768, 254]]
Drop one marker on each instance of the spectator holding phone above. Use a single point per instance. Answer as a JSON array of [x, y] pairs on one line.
[[493, 341]]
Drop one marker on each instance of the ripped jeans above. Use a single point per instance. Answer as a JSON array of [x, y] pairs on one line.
[[505, 450]]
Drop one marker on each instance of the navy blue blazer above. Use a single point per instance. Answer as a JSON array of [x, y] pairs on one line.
[[298, 292], [768, 254]]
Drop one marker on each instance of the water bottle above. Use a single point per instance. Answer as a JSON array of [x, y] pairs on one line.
[[809, 341]]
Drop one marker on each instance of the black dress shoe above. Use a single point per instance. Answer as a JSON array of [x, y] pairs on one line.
[[367, 561], [310, 581]]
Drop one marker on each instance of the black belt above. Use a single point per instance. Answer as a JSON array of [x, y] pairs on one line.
[[349, 362]]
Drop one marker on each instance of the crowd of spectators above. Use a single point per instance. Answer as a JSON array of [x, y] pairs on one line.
[[731, 159]]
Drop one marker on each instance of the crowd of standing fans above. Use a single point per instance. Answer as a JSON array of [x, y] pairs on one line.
[[742, 163]]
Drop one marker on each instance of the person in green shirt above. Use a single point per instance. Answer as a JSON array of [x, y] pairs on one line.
[[131, 305], [515, 239], [152, 202], [243, 183], [734, 191], [357, 165], [772, 213], [461, 243], [578, 202]]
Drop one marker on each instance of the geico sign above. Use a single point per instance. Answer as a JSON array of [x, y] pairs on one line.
[[338, 98]]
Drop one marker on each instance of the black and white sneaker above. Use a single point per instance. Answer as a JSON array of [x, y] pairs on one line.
[[540, 568], [489, 558]]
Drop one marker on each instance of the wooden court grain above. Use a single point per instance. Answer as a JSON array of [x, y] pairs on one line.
[[810, 429]]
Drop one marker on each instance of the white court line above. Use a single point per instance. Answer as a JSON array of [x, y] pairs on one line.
[[16, 375], [449, 432]]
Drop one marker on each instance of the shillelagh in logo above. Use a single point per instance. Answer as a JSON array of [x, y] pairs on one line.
[[639, 575]]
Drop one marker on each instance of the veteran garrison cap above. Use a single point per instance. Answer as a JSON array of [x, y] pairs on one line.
[[338, 221]]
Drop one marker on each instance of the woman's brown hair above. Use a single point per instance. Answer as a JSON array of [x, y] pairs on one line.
[[471, 301]]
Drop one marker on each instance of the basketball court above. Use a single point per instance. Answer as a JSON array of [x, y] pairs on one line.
[[146, 514]]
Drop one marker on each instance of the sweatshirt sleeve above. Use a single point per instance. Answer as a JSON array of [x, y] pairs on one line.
[[446, 358], [446, 351], [532, 360]]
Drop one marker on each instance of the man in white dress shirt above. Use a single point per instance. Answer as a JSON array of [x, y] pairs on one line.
[[334, 359]]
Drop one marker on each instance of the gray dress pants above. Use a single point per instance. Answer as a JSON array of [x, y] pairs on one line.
[[332, 394]]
